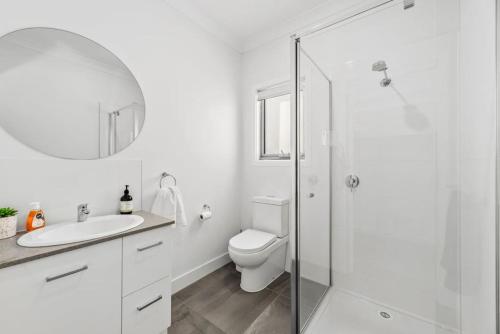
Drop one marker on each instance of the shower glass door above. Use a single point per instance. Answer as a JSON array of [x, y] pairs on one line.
[[314, 119], [377, 171]]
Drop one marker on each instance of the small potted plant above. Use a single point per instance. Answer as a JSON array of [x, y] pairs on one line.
[[8, 222]]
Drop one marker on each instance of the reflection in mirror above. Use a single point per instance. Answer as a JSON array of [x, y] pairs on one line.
[[67, 96]]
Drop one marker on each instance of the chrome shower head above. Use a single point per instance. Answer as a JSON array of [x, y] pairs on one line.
[[407, 4], [381, 66]]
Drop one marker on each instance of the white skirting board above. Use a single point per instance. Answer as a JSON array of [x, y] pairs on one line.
[[186, 279]]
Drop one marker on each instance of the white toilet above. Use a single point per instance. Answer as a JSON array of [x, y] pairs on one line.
[[260, 252]]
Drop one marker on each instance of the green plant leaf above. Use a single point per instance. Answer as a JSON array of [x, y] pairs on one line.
[[7, 212]]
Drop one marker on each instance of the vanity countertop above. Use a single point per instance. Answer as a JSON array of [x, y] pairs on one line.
[[11, 253]]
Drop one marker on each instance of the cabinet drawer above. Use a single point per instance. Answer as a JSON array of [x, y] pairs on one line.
[[146, 259], [60, 293], [147, 311]]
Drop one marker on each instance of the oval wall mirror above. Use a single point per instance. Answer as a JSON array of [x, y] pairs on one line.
[[67, 96]]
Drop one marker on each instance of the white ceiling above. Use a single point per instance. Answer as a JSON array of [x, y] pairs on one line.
[[237, 21], [247, 17]]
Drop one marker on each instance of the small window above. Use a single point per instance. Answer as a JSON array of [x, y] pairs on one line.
[[274, 126]]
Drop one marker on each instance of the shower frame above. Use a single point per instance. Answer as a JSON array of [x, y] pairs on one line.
[[497, 172]]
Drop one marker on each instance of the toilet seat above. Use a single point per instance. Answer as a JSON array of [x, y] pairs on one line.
[[251, 241]]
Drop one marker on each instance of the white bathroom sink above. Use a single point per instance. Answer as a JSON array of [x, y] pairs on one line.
[[93, 228]]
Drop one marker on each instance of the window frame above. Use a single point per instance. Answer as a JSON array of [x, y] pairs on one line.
[[262, 155], [266, 91]]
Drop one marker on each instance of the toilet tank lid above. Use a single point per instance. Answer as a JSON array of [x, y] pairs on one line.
[[270, 200]]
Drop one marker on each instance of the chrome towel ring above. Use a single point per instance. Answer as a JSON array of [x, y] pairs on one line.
[[165, 175]]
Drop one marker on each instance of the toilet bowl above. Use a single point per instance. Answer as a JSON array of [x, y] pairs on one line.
[[260, 252], [261, 257]]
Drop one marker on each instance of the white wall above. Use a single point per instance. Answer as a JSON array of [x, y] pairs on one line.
[[477, 162], [190, 83], [261, 67]]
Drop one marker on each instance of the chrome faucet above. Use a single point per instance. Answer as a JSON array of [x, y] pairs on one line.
[[83, 212]]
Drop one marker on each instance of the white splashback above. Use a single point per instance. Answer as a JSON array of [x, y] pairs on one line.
[[60, 185]]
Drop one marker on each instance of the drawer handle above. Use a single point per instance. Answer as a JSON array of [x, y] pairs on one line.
[[157, 299], [159, 243], [53, 278]]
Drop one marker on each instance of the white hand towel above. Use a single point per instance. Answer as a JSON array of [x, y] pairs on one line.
[[169, 204], [180, 212], [164, 204]]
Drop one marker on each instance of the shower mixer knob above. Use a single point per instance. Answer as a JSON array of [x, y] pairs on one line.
[[352, 181]]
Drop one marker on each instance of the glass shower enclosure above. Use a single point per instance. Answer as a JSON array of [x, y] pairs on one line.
[[386, 223]]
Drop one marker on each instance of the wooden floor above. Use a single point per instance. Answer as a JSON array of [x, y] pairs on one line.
[[217, 305]]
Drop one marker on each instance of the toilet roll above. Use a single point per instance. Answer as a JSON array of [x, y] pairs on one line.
[[205, 215]]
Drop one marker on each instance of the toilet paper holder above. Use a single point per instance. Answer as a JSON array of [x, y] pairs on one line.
[[206, 212]]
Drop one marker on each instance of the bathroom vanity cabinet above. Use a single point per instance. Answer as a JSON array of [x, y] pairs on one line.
[[116, 286], [146, 283]]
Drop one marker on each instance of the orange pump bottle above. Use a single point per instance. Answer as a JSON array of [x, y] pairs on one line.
[[36, 217]]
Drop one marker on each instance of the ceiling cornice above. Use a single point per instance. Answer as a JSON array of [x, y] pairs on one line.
[[279, 30], [207, 24]]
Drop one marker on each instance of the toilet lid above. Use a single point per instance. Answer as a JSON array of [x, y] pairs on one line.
[[251, 241]]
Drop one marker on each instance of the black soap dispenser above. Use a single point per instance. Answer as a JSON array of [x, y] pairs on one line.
[[126, 204]]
